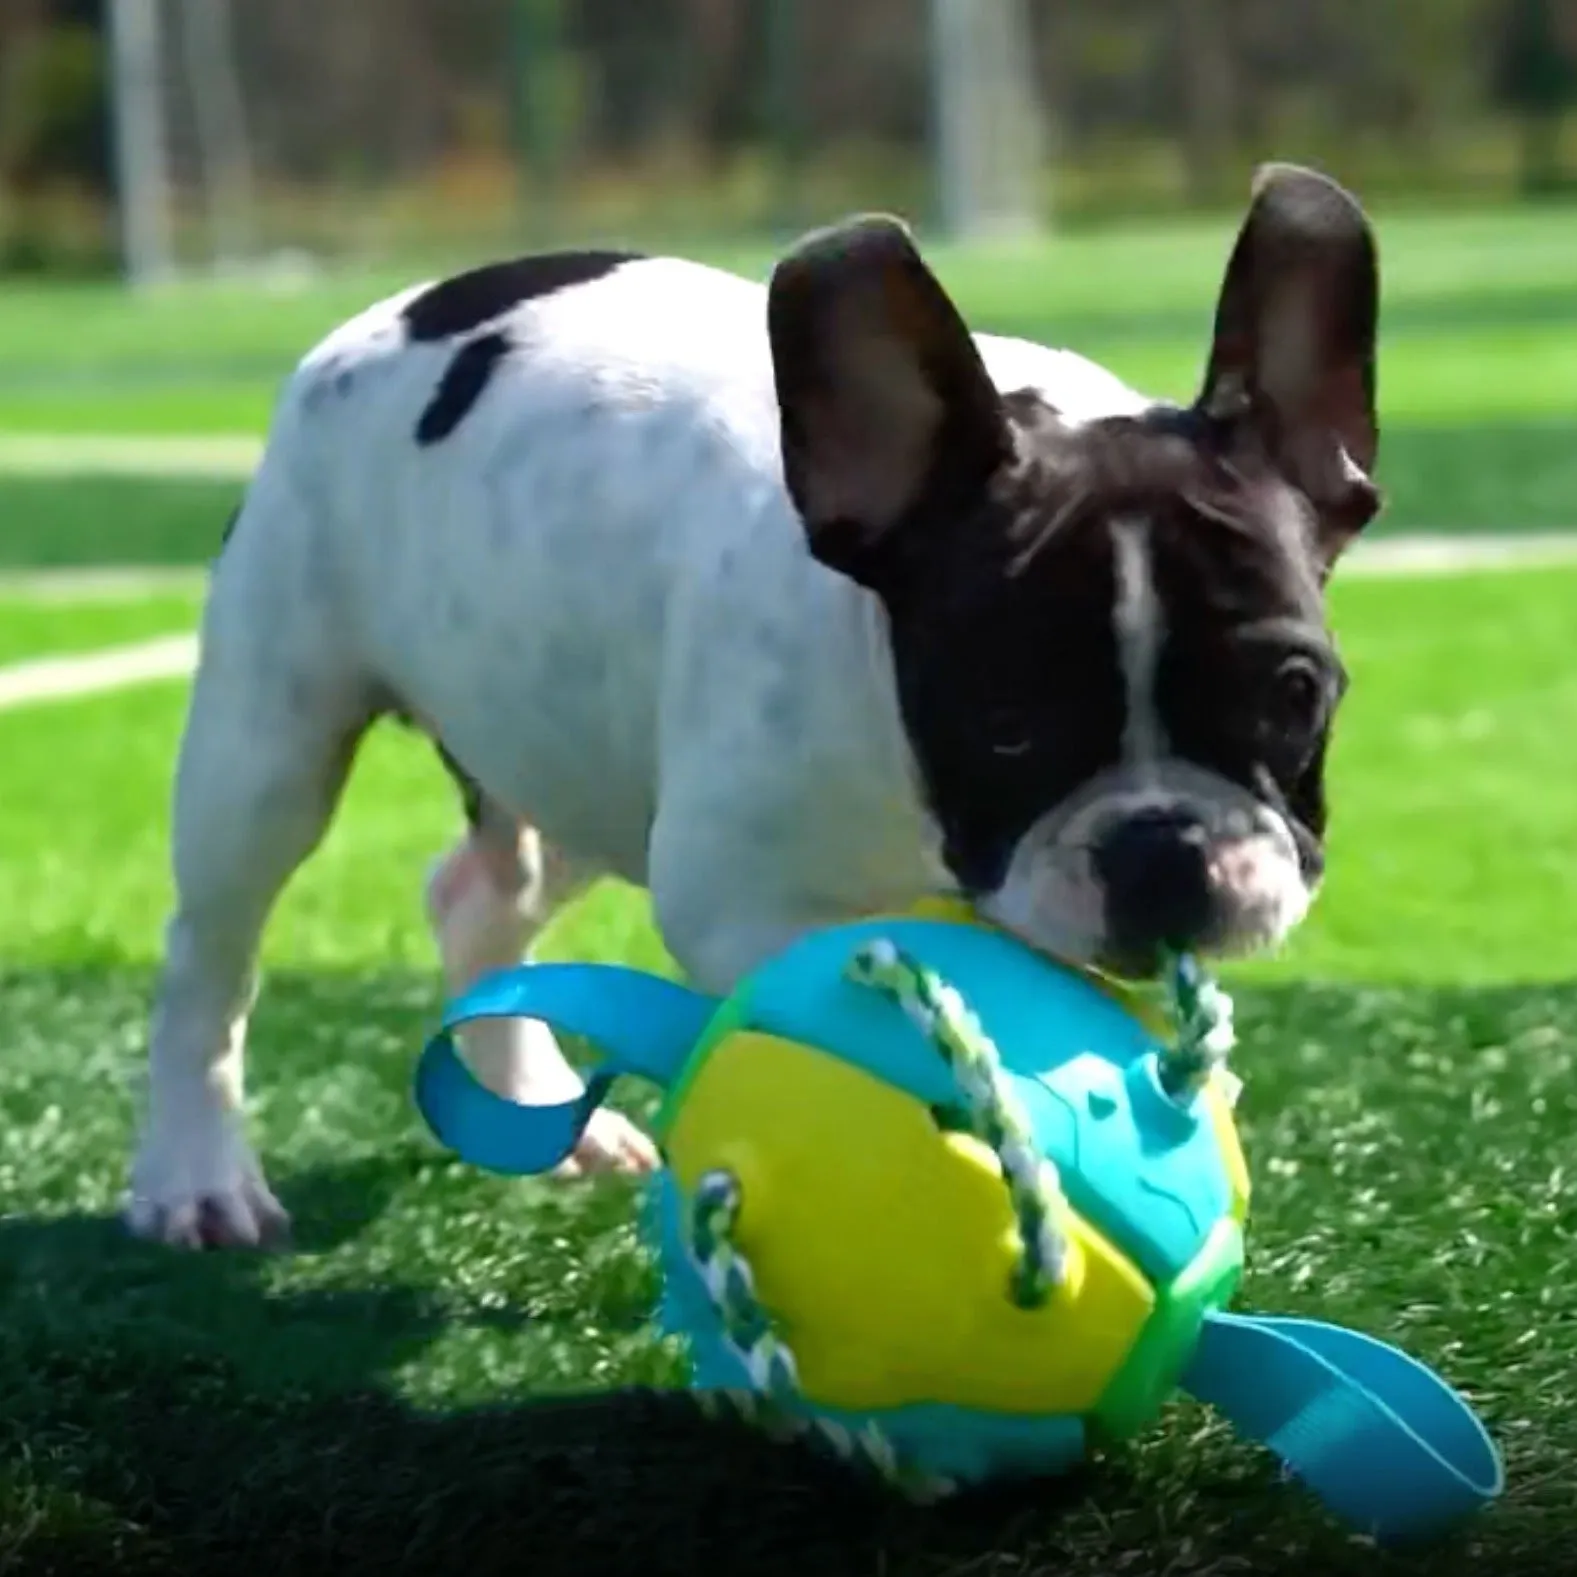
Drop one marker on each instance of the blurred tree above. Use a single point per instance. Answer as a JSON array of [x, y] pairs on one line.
[[53, 121], [368, 117], [729, 40], [55, 176], [1209, 83], [1535, 77], [638, 53]]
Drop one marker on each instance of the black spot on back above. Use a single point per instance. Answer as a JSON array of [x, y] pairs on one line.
[[478, 297], [461, 386]]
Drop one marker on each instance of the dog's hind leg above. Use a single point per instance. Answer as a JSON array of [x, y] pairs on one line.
[[487, 900]]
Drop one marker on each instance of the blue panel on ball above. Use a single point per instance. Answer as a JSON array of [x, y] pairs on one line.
[[1038, 1013], [1146, 1171]]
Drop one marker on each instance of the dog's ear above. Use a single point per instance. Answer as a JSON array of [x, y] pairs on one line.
[[1294, 346], [882, 396]]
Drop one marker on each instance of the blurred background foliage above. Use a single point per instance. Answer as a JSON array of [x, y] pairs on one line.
[[376, 125]]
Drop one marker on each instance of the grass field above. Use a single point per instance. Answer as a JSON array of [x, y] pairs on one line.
[[451, 1372], [31, 628], [375, 1400], [1521, 476], [1478, 378]]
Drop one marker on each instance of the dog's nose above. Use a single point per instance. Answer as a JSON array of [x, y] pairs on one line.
[[1154, 869]]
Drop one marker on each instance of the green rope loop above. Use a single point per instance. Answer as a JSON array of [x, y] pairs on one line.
[[774, 1377], [1203, 1036], [732, 1288], [991, 1109]]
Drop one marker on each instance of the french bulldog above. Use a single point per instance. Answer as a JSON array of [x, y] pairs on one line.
[[789, 604]]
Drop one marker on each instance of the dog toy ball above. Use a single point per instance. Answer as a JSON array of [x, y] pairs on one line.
[[960, 1212]]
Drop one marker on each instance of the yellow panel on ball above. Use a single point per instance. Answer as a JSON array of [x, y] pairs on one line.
[[885, 1246]]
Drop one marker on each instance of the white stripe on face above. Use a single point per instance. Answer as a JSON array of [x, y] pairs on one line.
[[1140, 626]]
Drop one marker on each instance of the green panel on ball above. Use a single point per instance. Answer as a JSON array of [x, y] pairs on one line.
[[733, 1013], [1136, 1394]]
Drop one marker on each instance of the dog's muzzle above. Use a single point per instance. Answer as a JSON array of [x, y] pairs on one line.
[[1154, 869]]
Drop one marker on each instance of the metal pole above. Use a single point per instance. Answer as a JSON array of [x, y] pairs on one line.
[[988, 137], [141, 153], [537, 67], [1026, 122], [208, 47], [786, 112], [950, 21]]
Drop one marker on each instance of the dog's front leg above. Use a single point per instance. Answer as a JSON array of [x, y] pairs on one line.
[[720, 919], [257, 781]]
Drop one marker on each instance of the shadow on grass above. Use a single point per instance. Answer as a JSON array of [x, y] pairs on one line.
[[151, 1424], [171, 1461], [173, 1466]]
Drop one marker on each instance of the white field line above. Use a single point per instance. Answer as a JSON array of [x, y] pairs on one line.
[[73, 584], [93, 673], [1423, 554], [1411, 555], [231, 457], [174, 656], [223, 459]]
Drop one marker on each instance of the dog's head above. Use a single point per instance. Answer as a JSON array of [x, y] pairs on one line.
[[1108, 637]]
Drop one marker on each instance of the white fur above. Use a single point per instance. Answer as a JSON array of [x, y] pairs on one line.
[[597, 594], [1140, 627]]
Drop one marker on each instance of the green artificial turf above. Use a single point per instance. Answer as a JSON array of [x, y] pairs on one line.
[[1482, 478], [85, 522], [446, 1374], [1477, 373], [31, 628], [1439, 271], [1435, 374]]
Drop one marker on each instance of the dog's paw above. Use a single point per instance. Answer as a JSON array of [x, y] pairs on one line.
[[611, 1143], [193, 1193]]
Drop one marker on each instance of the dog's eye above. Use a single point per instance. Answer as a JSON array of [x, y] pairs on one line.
[[1297, 699], [1019, 745], [1010, 733]]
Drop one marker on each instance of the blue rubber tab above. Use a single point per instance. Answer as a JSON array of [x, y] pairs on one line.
[[1382, 1440], [639, 1023]]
